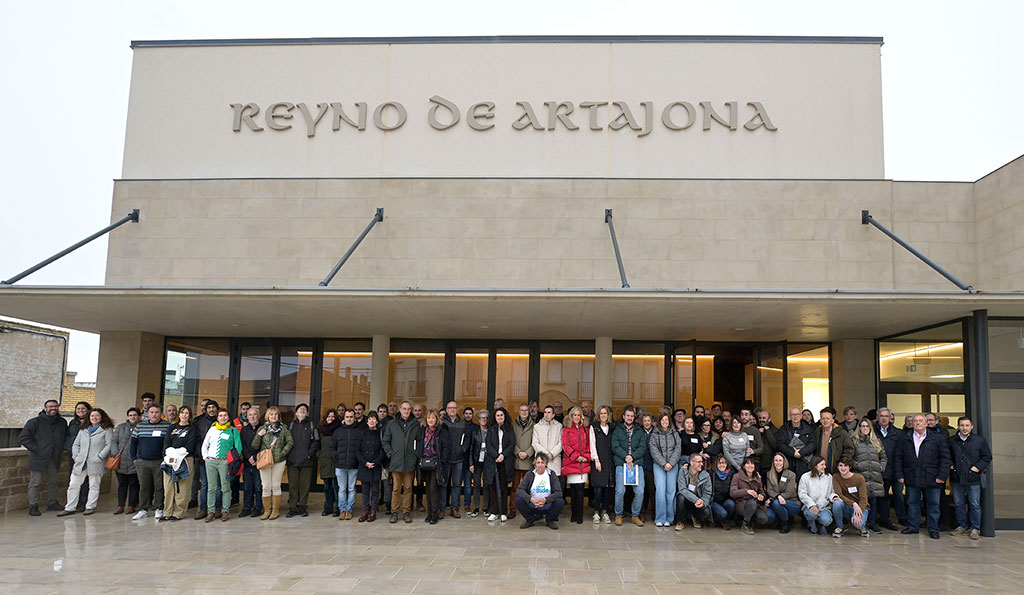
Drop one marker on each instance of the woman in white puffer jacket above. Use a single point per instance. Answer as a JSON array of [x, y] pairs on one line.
[[817, 496]]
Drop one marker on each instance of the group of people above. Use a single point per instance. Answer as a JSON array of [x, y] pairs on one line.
[[707, 468]]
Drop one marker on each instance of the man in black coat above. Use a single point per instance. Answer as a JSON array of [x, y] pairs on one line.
[[43, 437], [971, 456], [891, 438], [922, 463], [795, 440], [459, 437]]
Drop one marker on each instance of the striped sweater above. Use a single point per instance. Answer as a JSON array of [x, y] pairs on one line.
[[148, 440]]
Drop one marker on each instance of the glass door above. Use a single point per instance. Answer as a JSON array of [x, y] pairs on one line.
[[770, 380]]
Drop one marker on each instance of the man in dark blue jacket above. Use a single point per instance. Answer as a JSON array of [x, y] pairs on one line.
[[922, 464], [891, 438], [971, 456]]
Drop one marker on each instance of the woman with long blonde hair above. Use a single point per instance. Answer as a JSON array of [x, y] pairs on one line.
[[869, 460]]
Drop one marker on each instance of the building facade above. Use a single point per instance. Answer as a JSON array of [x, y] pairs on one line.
[[617, 220]]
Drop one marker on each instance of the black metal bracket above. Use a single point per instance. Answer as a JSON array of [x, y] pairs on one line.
[[867, 219], [615, 244], [377, 217], [132, 217]]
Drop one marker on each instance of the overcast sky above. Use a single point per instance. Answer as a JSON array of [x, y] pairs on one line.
[[951, 79]]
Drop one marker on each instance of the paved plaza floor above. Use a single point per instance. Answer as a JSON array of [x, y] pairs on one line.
[[104, 553]]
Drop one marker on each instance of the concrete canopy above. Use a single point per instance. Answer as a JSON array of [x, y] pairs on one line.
[[713, 315]]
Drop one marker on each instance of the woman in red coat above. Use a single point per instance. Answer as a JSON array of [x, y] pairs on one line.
[[576, 460]]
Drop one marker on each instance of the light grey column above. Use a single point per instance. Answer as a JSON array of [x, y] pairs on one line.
[[602, 371], [380, 362]]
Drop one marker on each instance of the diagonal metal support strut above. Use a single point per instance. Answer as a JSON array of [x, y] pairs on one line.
[[867, 219], [377, 217], [615, 244], [132, 217]]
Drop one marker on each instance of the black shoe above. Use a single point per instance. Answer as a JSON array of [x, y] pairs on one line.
[[888, 526], [163, 519], [526, 524], [909, 531], [245, 512], [52, 506], [874, 528], [292, 512], [66, 512], [304, 512], [325, 513], [552, 525], [784, 528], [33, 510], [433, 520], [933, 534]]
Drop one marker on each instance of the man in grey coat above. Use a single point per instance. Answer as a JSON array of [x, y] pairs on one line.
[[695, 490], [399, 443], [43, 437]]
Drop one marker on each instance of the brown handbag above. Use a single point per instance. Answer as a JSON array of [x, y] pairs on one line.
[[114, 462], [265, 457]]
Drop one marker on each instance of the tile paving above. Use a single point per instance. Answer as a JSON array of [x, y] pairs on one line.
[[109, 554]]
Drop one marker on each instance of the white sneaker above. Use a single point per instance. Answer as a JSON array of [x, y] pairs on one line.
[[504, 518], [607, 519], [140, 515], [492, 517], [597, 517], [159, 514]]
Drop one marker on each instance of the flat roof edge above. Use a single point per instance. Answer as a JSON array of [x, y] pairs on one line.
[[170, 43]]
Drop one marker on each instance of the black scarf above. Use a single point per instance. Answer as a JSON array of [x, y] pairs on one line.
[[326, 429], [523, 422]]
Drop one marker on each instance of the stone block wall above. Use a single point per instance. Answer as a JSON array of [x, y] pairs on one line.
[[14, 481]]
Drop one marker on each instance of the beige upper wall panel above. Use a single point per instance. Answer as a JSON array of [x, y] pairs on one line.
[[824, 99]]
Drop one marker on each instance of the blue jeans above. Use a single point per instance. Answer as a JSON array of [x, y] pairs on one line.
[[914, 507], [783, 512], [824, 517], [842, 512], [723, 510], [664, 494], [620, 490], [450, 492], [204, 485], [253, 487], [346, 488], [973, 505]]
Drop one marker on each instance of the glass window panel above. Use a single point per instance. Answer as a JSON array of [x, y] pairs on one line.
[[255, 377], [684, 382], [807, 376], [295, 373], [1006, 346], [770, 378], [196, 369], [512, 377], [902, 405], [346, 374], [706, 381], [935, 355], [638, 376], [471, 378], [417, 377], [573, 382], [1007, 459]]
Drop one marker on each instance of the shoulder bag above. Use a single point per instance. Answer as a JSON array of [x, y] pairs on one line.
[[114, 461], [265, 457]]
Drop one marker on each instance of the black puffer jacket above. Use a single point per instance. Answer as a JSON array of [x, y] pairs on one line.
[[720, 487], [307, 443], [927, 468], [43, 437], [345, 444]]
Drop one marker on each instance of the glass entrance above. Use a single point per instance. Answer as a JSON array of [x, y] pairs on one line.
[[771, 378]]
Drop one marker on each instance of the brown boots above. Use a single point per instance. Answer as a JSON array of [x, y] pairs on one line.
[[267, 510], [275, 503]]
